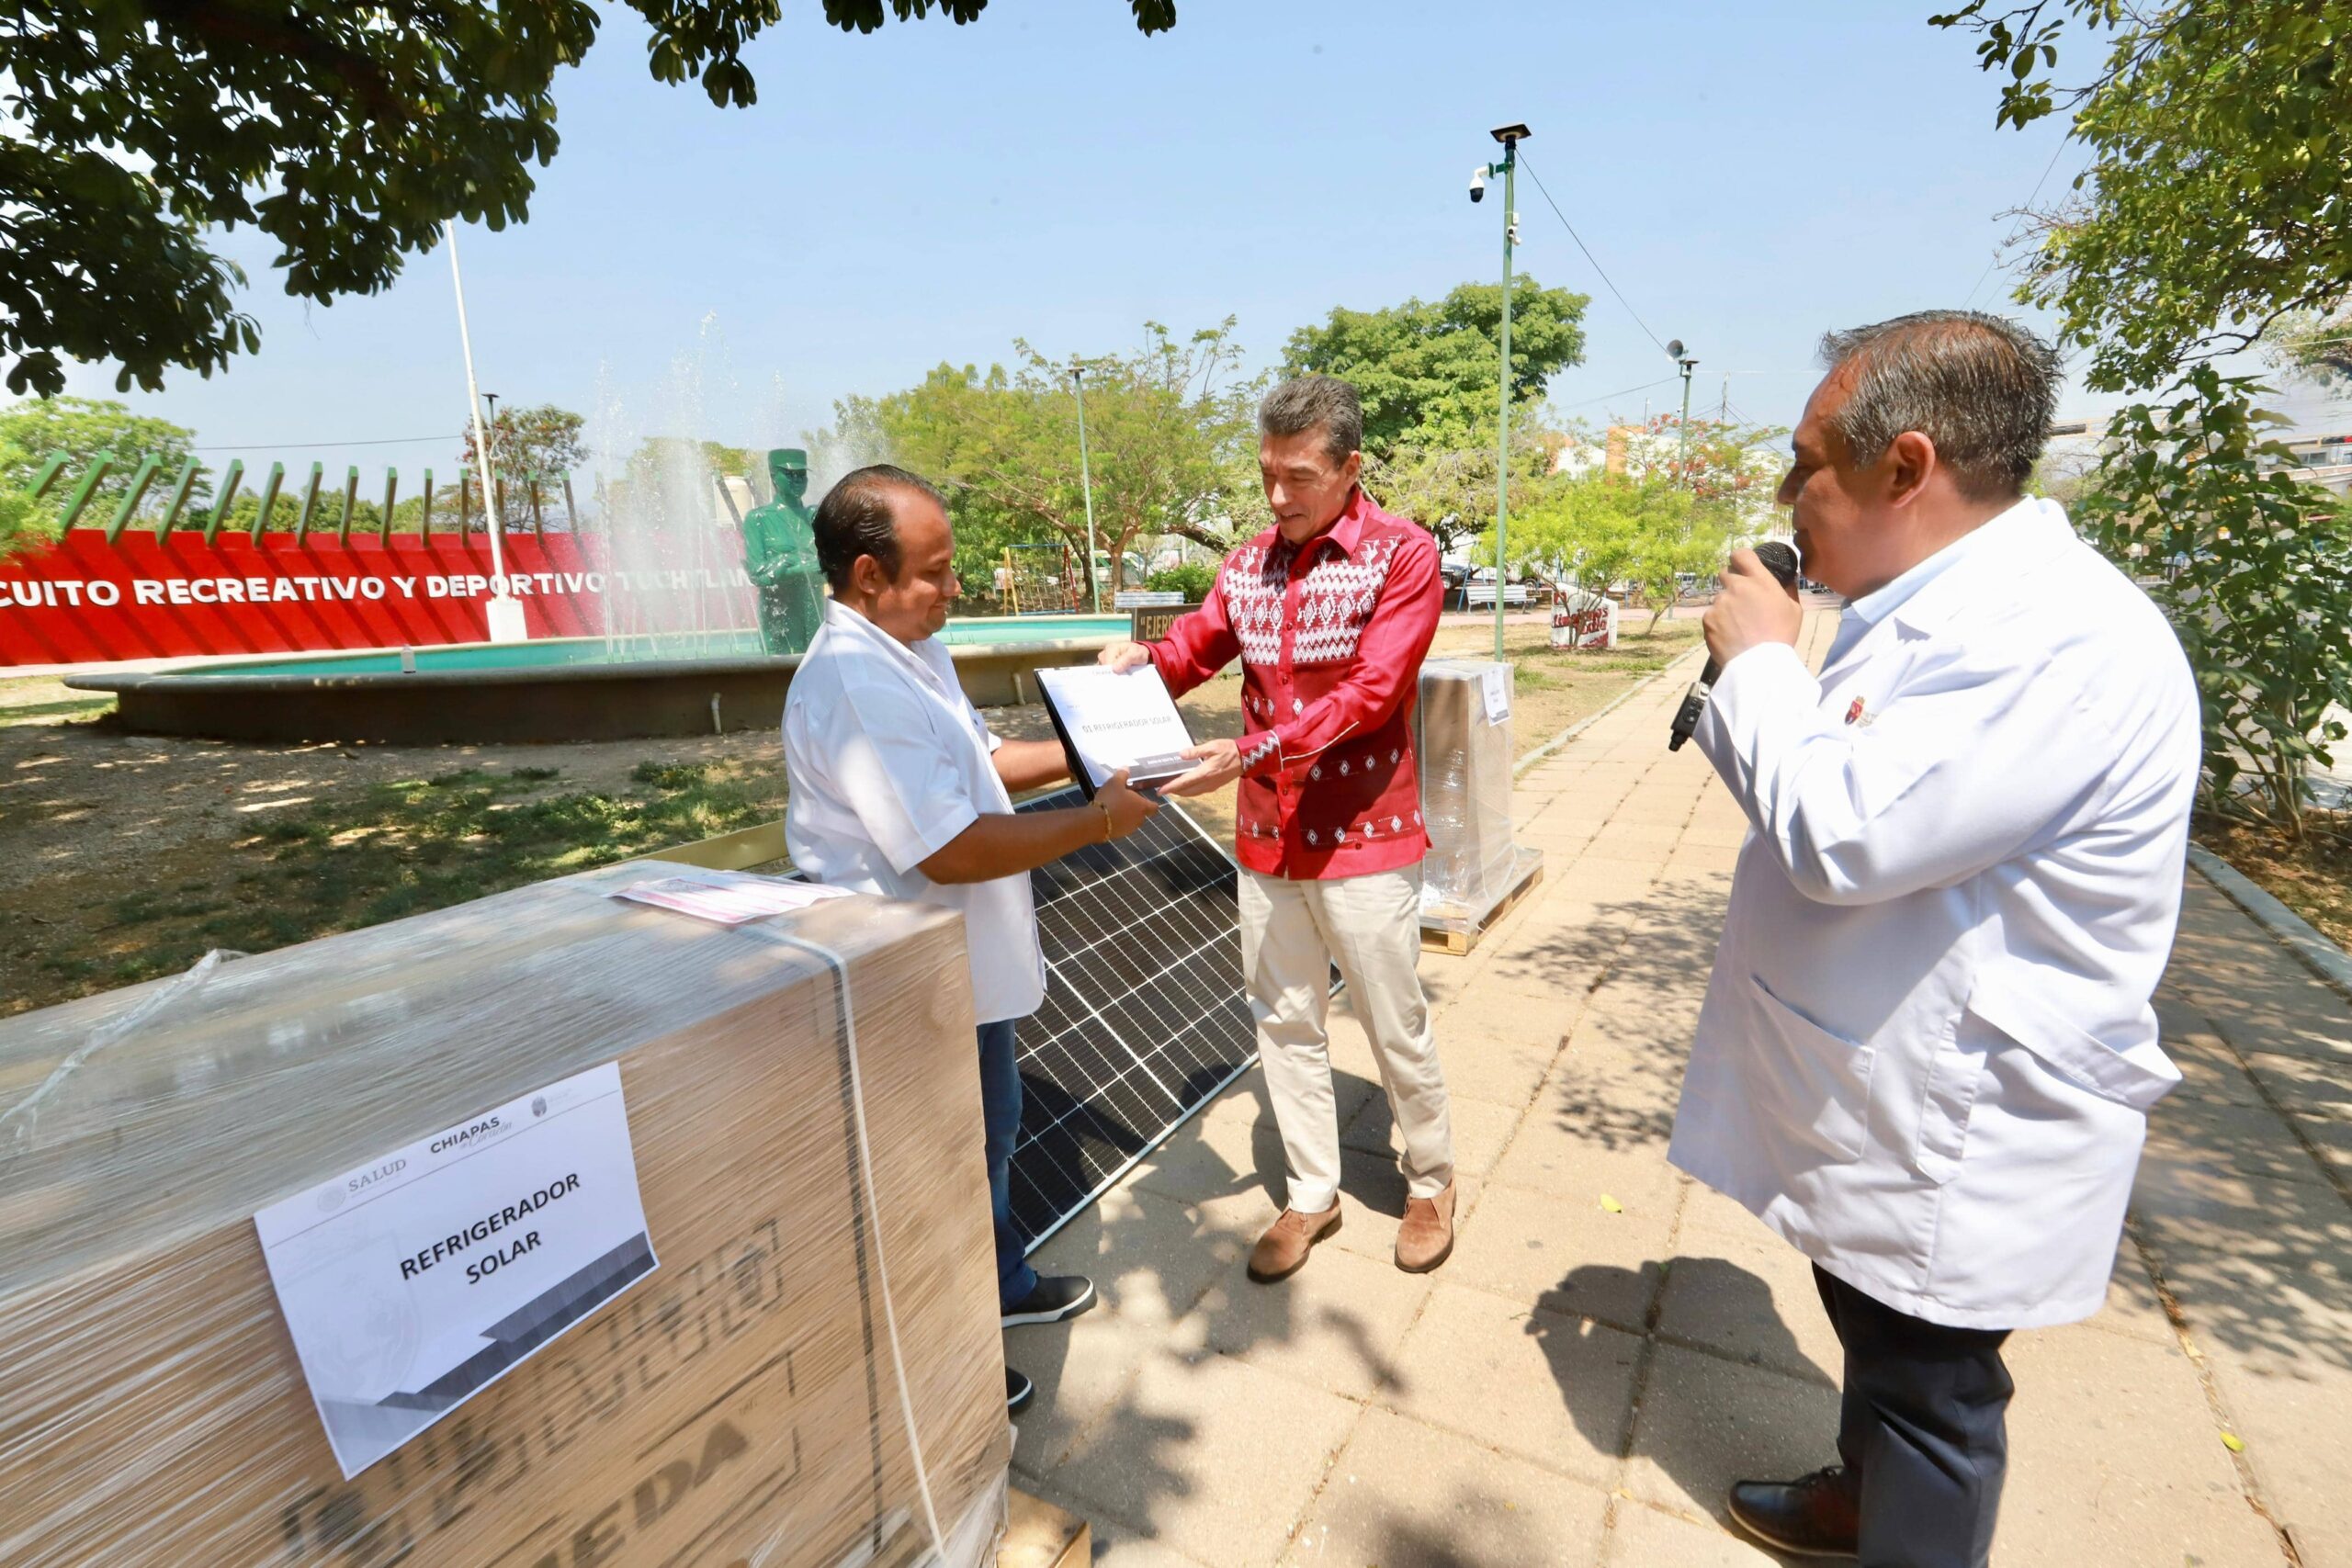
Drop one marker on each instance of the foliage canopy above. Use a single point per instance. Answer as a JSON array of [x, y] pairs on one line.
[[2250, 567], [2220, 141], [81, 428], [1427, 371], [348, 134], [1171, 431]]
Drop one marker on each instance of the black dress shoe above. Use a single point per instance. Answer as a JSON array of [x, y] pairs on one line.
[[1815, 1515], [1018, 1391], [1053, 1299]]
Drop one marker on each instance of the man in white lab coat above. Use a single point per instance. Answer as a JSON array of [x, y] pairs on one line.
[[1926, 1051]]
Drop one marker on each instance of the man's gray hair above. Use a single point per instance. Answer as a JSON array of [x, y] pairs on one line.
[[1982, 388], [1316, 402]]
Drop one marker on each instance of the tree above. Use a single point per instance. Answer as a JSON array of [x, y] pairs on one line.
[[1683, 533], [2213, 208], [542, 443], [1587, 530], [2316, 345], [2211, 218], [22, 525], [348, 134], [1450, 490], [1427, 372], [34, 430], [1167, 426], [2248, 564]]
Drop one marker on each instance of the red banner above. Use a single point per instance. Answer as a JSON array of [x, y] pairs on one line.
[[84, 600]]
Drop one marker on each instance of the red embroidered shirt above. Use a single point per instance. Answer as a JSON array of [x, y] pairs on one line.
[[1331, 636]]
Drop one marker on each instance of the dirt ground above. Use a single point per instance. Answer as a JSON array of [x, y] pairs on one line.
[[122, 856]]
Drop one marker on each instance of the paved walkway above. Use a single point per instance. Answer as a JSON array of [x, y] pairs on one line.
[[1611, 1344]]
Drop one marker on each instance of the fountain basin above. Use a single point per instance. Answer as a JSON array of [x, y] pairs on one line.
[[552, 690]]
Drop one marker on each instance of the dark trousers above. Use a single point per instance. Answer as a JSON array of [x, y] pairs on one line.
[[1922, 1431], [1000, 1115]]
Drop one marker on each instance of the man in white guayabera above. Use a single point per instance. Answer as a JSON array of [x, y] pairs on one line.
[[899, 788]]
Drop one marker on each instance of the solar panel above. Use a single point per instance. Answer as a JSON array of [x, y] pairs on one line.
[[1144, 1019]]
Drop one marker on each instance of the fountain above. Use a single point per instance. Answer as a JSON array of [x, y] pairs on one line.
[[708, 601]]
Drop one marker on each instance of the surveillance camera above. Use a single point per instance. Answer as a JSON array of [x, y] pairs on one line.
[[1477, 185]]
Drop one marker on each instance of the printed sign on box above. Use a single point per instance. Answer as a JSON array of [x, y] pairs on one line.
[[420, 1278]]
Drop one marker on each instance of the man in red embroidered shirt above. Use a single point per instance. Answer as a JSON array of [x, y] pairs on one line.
[[1330, 612]]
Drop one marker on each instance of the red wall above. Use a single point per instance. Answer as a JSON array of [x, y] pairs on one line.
[[85, 600]]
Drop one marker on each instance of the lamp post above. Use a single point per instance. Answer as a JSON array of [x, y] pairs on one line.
[[489, 457], [1510, 136], [1086, 483], [1674, 349], [505, 610]]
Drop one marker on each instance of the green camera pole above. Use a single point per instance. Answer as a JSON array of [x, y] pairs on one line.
[[1086, 482], [1509, 135]]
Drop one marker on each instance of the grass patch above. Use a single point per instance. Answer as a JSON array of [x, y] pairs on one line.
[[669, 776], [42, 713], [2313, 878], [395, 849]]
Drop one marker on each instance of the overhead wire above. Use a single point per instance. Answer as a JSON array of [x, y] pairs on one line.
[[1588, 253], [2018, 232], [306, 446], [1622, 392]]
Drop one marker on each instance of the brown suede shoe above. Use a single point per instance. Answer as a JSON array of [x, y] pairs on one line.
[[1282, 1250], [1425, 1239]]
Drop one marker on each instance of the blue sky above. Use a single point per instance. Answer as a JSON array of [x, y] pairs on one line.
[[1749, 174]]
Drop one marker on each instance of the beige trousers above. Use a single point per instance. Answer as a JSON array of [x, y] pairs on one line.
[[1371, 926]]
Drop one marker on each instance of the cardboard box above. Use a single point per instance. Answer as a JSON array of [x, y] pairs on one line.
[[738, 1406]]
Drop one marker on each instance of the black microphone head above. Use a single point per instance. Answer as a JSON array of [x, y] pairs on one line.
[[1780, 560]]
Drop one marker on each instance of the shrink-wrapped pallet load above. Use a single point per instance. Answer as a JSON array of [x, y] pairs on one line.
[[1464, 748], [741, 1403]]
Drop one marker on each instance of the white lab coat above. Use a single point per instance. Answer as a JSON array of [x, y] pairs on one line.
[[1926, 1052], [889, 761]]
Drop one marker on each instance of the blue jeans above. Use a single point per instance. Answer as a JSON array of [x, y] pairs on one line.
[[1001, 1116]]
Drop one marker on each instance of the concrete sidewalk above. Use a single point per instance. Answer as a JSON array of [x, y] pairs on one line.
[[1611, 1345]]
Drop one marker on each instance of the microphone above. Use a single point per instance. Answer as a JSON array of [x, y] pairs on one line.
[[1781, 562]]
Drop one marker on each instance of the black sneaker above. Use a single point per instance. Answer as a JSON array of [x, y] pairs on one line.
[[1018, 1391], [1056, 1298]]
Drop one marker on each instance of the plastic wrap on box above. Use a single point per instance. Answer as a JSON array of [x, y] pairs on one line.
[[740, 1404], [1465, 761]]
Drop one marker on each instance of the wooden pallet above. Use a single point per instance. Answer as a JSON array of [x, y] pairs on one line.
[[1042, 1536], [1457, 944]]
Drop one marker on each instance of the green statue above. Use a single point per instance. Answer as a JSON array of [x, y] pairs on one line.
[[780, 555]]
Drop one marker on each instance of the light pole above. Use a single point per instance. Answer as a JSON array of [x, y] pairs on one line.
[[1674, 349], [489, 459], [505, 610], [1510, 136], [1086, 482]]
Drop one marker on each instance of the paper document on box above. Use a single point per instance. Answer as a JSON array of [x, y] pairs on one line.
[[421, 1278], [728, 898], [1110, 720]]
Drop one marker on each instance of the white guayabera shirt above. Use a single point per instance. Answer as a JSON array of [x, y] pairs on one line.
[[1927, 1052], [889, 761]]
